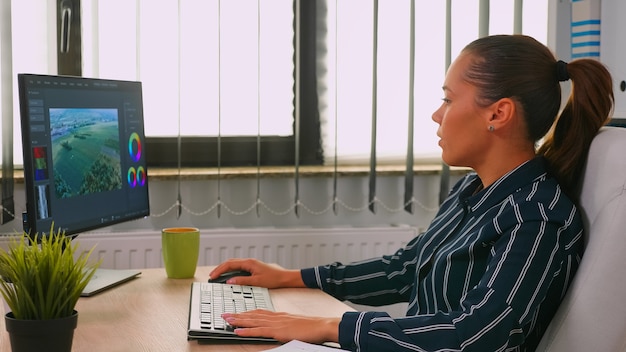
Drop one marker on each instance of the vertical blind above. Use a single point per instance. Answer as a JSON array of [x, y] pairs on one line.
[[6, 110], [227, 67]]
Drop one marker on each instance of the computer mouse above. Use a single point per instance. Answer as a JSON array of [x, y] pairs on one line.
[[227, 275]]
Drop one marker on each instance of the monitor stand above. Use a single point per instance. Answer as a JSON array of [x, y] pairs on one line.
[[104, 279]]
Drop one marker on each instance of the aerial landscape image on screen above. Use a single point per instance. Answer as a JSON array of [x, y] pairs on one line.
[[85, 151]]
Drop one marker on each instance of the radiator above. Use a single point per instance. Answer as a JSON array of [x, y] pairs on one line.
[[290, 248]]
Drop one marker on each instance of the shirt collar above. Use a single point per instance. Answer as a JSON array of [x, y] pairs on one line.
[[516, 179]]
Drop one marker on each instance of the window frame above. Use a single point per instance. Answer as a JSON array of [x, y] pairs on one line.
[[217, 151]]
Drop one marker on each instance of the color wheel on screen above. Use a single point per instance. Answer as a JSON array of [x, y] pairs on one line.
[[134, 147], [132, 177], [137, 177], [141, 176]]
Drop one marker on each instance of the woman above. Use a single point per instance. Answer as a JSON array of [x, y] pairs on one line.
[[490, 271]]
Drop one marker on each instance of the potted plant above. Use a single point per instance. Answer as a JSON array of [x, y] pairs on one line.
[[42, 279]]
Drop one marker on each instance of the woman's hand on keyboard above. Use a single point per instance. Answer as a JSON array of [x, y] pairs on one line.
[[261, 274], [284, 327]]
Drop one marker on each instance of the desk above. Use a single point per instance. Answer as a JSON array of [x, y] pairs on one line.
[[150, 313]]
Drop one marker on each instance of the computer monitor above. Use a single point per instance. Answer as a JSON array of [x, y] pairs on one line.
[[84, 158]]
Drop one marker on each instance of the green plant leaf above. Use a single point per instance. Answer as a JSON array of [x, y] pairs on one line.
[[43, 275]]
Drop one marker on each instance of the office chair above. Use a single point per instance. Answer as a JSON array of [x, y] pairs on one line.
[[592, 316]]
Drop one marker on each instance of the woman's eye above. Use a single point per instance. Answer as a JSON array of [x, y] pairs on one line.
[[446, 100]]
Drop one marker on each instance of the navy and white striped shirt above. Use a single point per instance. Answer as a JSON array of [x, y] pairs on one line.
[[487, 275]]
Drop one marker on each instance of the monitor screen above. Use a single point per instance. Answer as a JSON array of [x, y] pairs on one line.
[[84, 152]]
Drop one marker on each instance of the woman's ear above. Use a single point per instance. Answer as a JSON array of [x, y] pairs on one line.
[[502, 113]]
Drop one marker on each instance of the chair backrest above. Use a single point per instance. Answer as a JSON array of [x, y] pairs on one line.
[[592, 316]]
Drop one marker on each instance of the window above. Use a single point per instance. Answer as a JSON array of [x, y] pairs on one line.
[[350, 46], [227, 68]]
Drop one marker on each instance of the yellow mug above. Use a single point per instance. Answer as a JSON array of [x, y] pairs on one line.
[[180, 247]]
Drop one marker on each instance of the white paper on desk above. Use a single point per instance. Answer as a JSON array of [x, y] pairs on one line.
[[299, 346]]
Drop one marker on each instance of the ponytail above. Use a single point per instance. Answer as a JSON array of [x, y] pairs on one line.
[[588, 108]]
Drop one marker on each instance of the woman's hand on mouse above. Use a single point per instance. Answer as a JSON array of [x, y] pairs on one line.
[[261, 274]]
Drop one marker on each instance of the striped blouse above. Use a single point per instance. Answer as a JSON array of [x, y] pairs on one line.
[[487, 275]]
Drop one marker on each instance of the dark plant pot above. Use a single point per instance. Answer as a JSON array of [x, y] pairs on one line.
[[51, 335]]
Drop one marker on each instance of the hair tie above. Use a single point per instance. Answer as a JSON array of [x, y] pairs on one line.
[[561, 71]]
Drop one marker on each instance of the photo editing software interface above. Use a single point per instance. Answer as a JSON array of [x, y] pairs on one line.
[[84, 152]]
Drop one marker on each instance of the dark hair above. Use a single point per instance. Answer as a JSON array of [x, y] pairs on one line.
[[521, 68]]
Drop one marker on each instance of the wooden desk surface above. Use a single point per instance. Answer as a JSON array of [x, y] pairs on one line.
[[150, 314]]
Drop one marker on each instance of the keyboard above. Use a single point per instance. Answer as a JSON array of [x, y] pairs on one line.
[[209, 300]]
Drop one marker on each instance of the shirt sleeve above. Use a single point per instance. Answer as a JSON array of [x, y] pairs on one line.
[[375, 282], [491, 316]]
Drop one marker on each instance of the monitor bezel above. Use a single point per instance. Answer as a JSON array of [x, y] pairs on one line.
[[29, 219]]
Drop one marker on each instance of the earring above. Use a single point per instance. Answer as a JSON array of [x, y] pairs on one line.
[[491, 128]]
